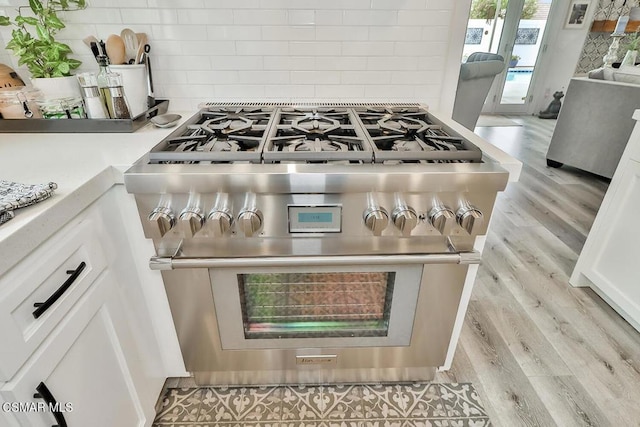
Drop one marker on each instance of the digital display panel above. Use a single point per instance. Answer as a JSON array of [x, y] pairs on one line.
[[315, 219]]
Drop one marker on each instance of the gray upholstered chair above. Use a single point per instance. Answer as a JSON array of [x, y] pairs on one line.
[[476, 77]]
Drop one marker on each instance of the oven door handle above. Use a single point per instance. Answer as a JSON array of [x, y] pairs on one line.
[[174, 263]]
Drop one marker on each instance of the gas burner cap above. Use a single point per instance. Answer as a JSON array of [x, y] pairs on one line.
[[315, 123], [227, 124], [316, 145], [402, 124], [411, 145]]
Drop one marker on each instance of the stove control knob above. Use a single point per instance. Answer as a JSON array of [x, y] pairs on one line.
[[219, 222], [163, 218], [405, 219], [442, 219], [376, 219], [250, 221], [191, 221], [470, 218]]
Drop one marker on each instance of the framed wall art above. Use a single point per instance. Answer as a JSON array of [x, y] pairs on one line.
[[576, 17]]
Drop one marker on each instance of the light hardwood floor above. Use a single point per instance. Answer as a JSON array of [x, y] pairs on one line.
[[540, 352]]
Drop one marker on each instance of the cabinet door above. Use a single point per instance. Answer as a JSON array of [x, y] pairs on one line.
[[84, 365], [614, 270]]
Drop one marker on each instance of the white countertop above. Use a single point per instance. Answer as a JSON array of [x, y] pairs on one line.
[[86, 165]]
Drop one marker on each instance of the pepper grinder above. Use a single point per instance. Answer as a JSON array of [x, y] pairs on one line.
[[115, 97]]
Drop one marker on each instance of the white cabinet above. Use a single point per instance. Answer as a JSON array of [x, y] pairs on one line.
[[84, 364], [609, 260], [94, 348]]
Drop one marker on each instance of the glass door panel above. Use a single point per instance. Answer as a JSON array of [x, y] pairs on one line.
[[305, 305]]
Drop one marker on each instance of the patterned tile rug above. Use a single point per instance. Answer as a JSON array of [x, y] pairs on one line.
[[367, 405]]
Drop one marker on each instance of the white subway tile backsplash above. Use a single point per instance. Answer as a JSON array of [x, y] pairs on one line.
[[234, 32], [315, 77], [290, 63], [394, 4], [263, 77], [342, 33], [368, 48], [424, 17], [301, 17], [288, 33], [259, 17], [206, 50], [262, 48], [365, 77], [211, 77], [205, 17], [340, 63], [237, 62], [341, 91], [314, 48], [179, 32], [394, 33], [392, 63], [287, 92], [171, 4], [370, 17]]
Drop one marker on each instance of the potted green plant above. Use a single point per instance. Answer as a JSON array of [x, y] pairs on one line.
[[514, 61], [632, 43], [33, 42]]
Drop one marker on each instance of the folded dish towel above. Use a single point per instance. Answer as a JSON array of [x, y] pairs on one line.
[[14, 195]]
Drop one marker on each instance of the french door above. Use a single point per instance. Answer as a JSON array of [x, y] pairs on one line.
[[517, 32]]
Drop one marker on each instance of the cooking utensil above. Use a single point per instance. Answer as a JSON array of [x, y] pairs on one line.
[[151, 101], [90, 39], [115, 49], [166, 120], [130, 44], [142, 41], [95, 50]]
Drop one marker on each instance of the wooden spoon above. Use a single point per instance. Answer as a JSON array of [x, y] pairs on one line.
[[142, 40], [115, 49], [130, 44]]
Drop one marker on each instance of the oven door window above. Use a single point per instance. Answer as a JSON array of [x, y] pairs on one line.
[[319, 307], [307, 305]]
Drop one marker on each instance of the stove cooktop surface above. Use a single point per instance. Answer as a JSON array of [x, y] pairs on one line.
[[343, 134]]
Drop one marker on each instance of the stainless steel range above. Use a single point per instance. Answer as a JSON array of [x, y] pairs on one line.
[[315, 243]]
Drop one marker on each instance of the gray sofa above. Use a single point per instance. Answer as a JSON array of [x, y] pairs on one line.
[[594, 125], [476, 78]]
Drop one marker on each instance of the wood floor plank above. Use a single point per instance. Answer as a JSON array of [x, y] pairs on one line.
[[568, 402], [523, 306], [507, 388]]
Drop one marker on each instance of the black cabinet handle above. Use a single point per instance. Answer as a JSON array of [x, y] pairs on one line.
[[44, 393], [41, 307]]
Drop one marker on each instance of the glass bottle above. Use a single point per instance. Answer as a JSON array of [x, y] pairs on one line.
[[103, 63], [94, 105]]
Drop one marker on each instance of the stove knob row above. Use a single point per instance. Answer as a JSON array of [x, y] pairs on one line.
[[163, 218], [219, 222], [191, 221], [470, 218], [405, 219], [376, 219], [250, 221]]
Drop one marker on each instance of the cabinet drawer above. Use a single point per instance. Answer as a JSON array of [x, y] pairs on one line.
[[83, 366], [37, 293]]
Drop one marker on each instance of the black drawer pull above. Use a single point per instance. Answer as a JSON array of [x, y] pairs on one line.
[[44, 393], [41, 307]]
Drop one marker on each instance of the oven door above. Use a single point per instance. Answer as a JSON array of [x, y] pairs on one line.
[[329, 306]]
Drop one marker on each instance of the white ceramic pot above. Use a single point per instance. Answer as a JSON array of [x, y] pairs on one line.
[[58, 87]]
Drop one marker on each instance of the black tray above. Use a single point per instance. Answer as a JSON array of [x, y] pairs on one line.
[[83, 125]]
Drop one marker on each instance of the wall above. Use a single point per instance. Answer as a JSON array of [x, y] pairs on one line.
[[203, 50], [597, 44]]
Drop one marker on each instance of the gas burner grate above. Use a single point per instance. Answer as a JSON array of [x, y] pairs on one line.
[[316, 135]]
